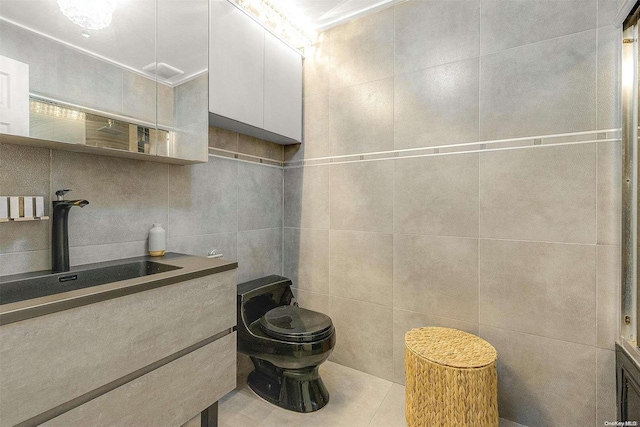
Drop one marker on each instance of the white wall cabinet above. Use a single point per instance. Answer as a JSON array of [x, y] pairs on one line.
[[282, 88], [255, 79], [236, 65]]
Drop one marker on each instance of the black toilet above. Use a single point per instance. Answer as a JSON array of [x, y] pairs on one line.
[[286, 344]]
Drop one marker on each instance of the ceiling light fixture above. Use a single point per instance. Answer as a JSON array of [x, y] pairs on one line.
[[282, 18], [89, 14]]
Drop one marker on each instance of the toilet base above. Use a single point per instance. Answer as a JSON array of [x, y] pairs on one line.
[[299, 390]]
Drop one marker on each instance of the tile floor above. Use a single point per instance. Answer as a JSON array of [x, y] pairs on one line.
[[357, 399]]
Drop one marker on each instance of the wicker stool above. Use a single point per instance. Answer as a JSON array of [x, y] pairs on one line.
[[451, 379]]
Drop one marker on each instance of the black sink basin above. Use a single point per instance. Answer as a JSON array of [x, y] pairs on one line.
[[51, 284]]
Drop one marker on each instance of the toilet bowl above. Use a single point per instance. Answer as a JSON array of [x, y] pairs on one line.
[[286, 344]]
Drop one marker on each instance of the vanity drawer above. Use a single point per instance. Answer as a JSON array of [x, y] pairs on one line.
[[49, 360], [169, 396]]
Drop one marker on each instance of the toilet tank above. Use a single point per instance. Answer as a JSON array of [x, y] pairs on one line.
[[258, 296]]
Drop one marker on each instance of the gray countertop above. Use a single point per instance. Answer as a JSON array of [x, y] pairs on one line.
[[191, 267]]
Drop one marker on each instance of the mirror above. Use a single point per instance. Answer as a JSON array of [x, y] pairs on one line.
[[120, 77]]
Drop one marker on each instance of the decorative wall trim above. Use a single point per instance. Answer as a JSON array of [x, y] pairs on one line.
[[574, 138], [245, 158]]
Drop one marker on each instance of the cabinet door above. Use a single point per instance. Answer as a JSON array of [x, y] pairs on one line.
[[282, 89], [14, 97], [166, 397], [236, 64]]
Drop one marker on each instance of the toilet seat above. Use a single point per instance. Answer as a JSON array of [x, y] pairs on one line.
[[290, 323]]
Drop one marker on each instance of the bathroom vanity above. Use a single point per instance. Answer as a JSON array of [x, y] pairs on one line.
[[153, 350]]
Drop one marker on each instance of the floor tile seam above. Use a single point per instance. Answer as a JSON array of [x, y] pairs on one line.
[[373, 417]]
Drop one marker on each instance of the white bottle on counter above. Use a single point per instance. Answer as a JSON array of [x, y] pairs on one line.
[[157, 240]]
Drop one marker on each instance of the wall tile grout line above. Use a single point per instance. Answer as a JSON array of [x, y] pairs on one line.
[[50, 203], [282, 254], [595, 347], [417, 233], [479, 154], [453, 319], [168, 199], [539, 41], [393, 201], [537, 241]]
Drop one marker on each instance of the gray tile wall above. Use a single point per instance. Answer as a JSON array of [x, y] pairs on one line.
[[234, 207], [518, 246]]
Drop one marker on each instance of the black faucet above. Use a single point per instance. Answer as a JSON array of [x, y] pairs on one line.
[[60, 231]]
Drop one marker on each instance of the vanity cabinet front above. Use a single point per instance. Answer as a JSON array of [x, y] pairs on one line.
[[156, 357], [168, 396]]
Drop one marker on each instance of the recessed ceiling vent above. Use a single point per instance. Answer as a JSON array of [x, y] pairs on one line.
[[162, 70]]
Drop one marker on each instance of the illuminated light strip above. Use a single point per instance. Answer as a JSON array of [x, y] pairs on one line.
[[274, 16], [56, 111], [358, 13]]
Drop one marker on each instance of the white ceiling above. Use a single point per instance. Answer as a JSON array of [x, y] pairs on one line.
[[323, 14], [130, 40], [182, 35]]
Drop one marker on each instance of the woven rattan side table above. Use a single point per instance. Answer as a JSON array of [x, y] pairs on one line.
[[450, 379]]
